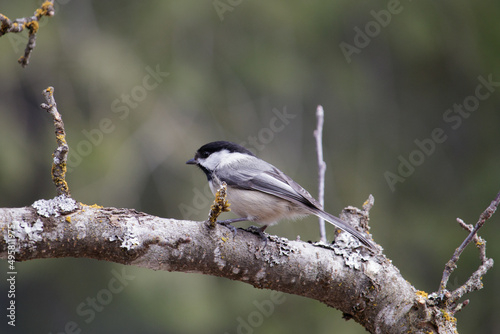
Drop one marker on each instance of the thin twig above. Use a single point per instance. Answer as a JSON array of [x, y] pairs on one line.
[[60, 155], [220, 205], [30, 23], [474, 281], [318, 134]]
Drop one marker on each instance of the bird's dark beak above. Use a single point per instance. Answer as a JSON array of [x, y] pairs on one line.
[[191, 162]]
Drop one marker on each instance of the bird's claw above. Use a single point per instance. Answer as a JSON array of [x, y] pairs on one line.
[[227, 223], [260, 232]]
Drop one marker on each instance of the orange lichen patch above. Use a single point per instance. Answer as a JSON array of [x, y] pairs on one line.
[[32, 26], [422, 294], [448, 317]]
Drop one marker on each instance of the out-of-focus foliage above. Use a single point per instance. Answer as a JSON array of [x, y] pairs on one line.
[[254, 72]]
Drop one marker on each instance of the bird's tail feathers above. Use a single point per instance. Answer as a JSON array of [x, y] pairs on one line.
[[344, 227]]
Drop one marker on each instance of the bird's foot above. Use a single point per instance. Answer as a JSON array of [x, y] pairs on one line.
[[260, 232], [227, 223]]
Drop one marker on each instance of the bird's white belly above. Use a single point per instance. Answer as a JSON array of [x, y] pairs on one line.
[[260, 207]]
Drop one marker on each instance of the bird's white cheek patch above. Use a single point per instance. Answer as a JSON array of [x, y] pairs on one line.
[[227, 158]]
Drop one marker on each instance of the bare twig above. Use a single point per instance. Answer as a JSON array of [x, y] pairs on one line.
[[60, 155], [474, 282], [367, 206], [318, 134], [220, 205], [30, 23]]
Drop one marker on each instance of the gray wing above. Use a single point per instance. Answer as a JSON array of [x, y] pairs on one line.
[[259, 175]]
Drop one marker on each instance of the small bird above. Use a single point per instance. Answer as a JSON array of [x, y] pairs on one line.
[[257, 191]]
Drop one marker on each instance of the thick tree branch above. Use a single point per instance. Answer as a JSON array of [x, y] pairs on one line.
[[365, 287]]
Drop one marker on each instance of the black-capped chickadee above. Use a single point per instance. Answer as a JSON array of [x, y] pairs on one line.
[[256, 190]]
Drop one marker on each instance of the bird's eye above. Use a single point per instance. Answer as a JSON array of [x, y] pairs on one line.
[[204, 154]]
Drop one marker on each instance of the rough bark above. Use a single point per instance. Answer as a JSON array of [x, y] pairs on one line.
[[364, 286]]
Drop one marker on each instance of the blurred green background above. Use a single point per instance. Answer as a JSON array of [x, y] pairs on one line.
[[387, 75]]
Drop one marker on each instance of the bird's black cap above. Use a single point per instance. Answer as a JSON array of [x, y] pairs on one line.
[[216, 146]]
